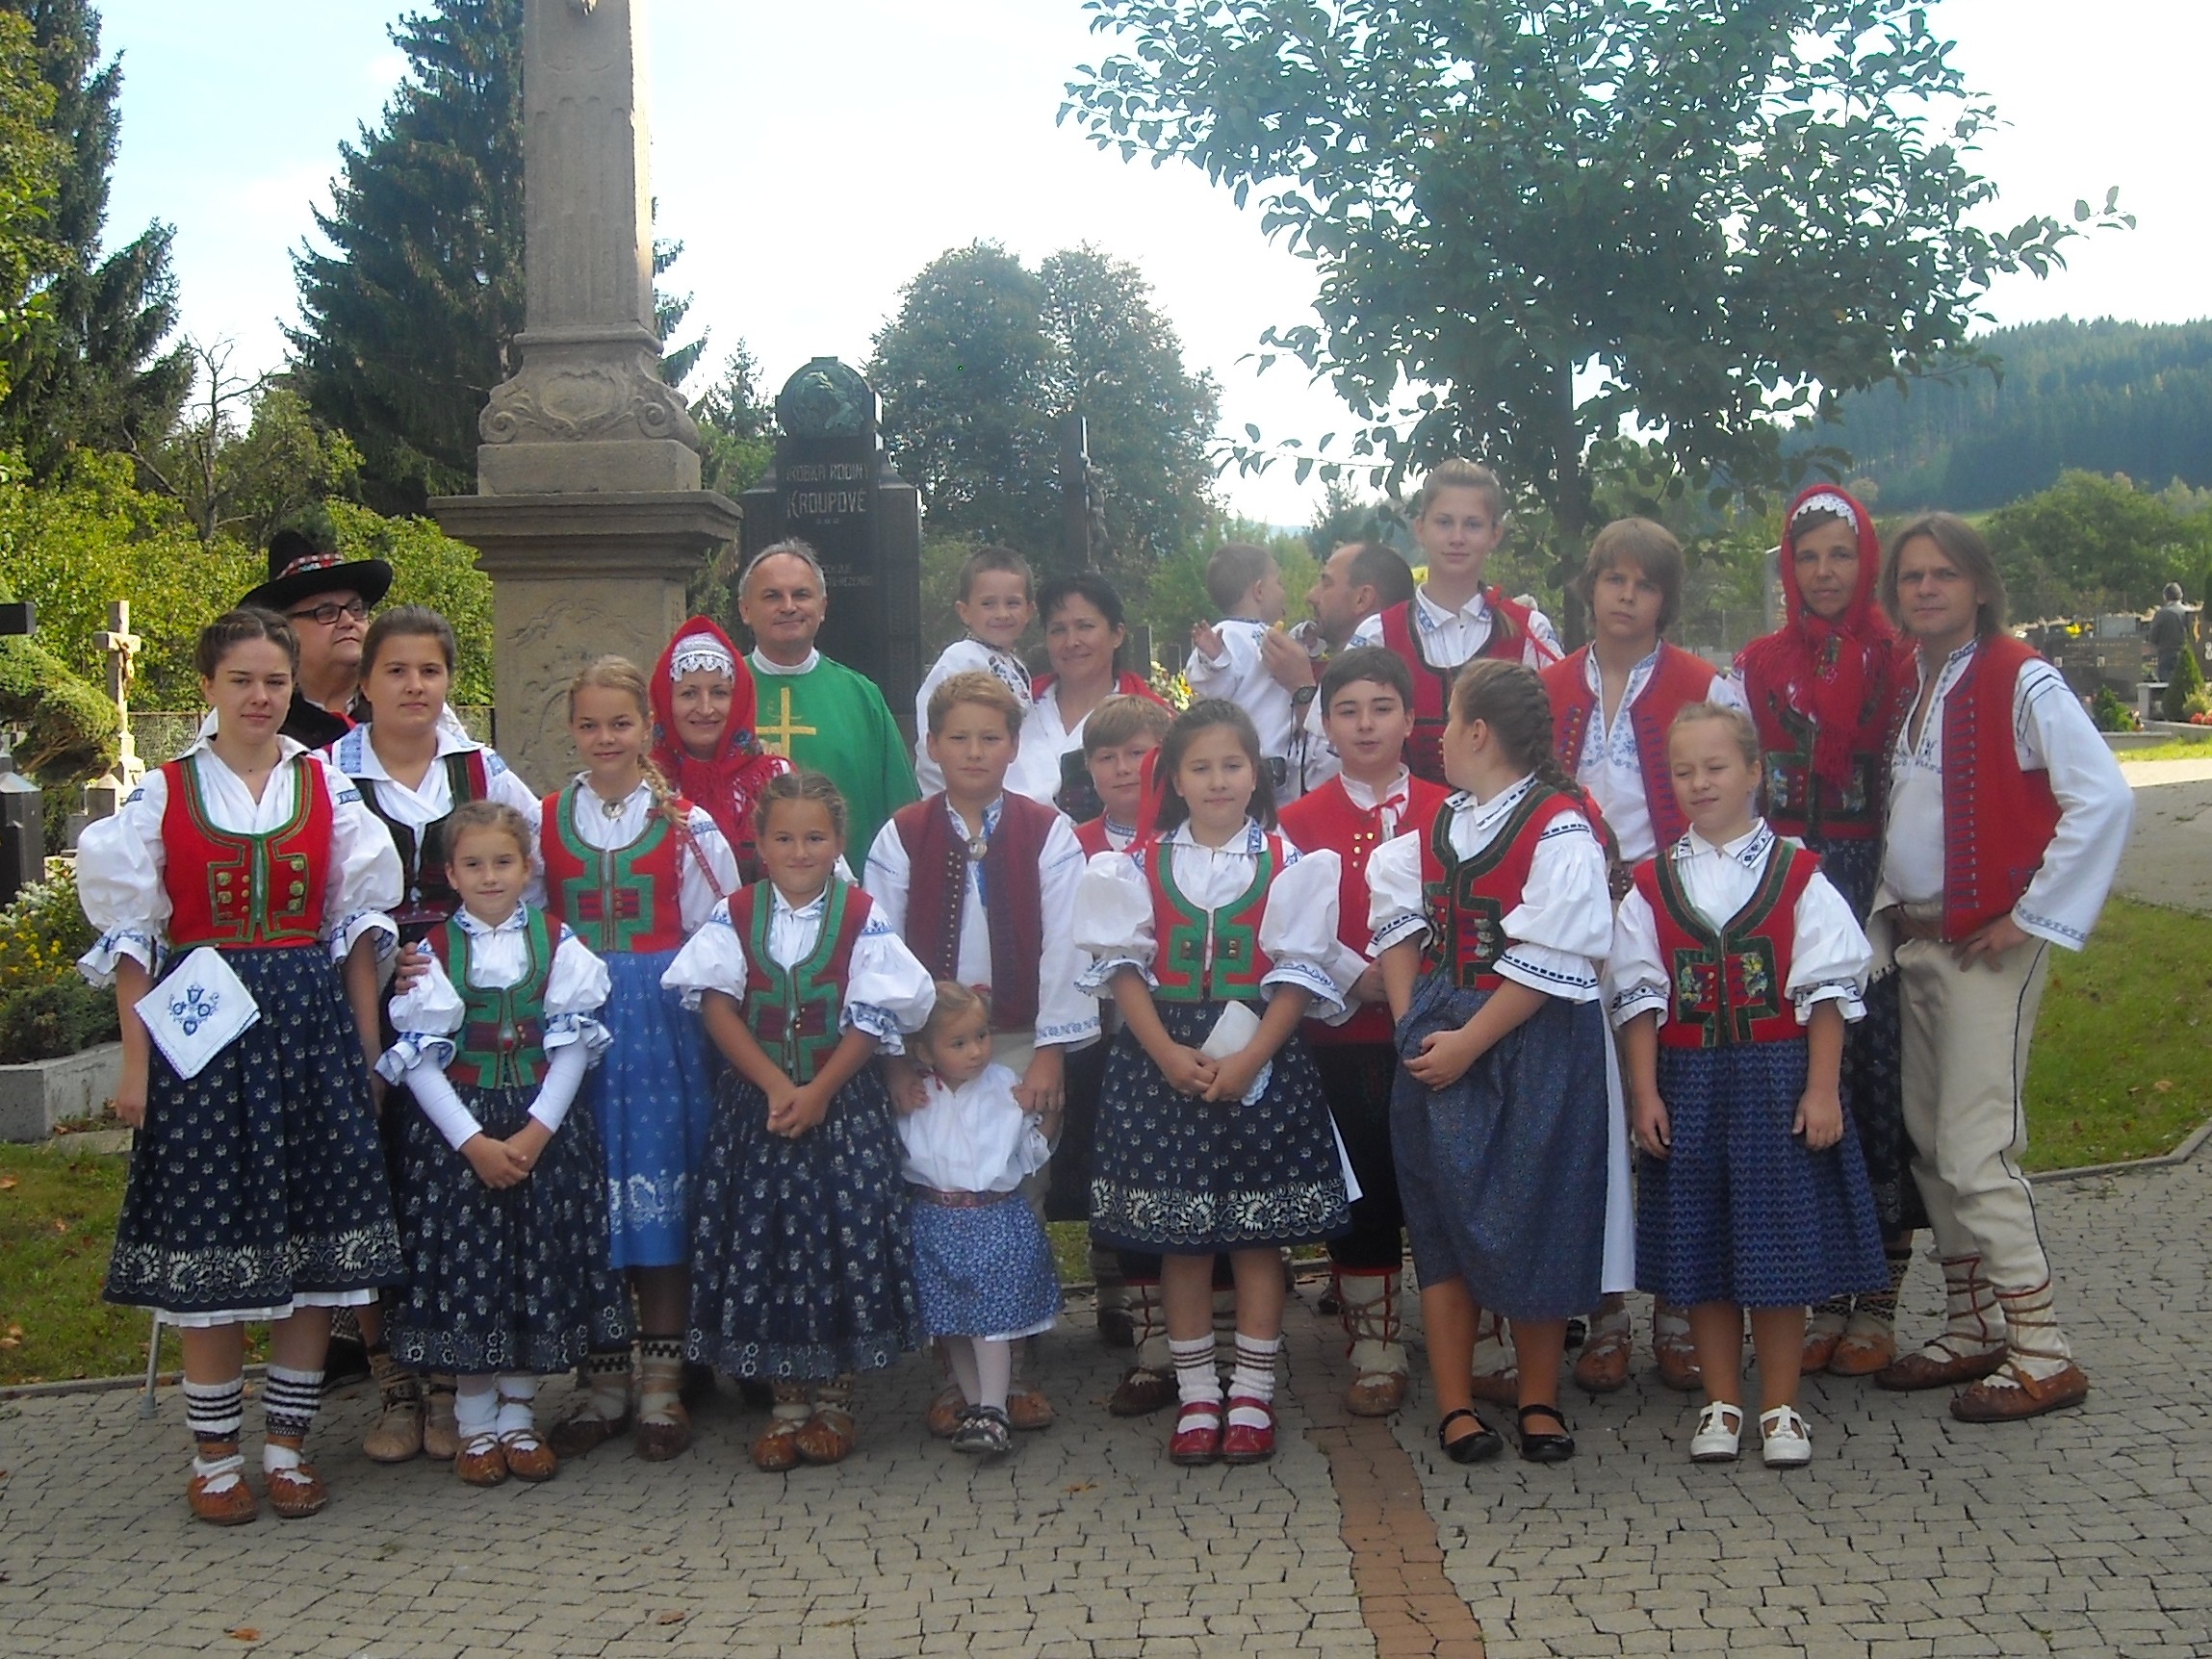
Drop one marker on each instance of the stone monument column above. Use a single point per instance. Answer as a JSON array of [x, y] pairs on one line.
[[588, 516]]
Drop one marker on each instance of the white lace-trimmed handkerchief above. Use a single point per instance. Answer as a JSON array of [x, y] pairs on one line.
[[1233, 1031], [197, 1011]]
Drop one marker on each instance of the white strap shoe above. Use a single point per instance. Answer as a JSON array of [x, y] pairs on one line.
[[1782, 1439], [1719, 1434]]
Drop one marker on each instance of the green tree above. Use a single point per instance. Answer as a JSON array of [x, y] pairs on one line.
[[30, 161], [1539, 223], [986, 357], [737, 428], [405, 324], [90, 372], [2096, 544]]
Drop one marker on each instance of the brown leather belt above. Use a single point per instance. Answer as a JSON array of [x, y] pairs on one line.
[[960, 1200]]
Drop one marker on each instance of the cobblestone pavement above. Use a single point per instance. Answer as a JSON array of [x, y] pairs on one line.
[[2084, 1533]]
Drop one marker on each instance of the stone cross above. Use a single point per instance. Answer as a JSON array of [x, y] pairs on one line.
[[105, 793]]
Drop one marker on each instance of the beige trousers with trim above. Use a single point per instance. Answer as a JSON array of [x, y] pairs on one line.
[[1966, 1047]]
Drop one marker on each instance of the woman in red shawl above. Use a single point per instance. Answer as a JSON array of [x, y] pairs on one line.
[[1827, 691], [703, 739]]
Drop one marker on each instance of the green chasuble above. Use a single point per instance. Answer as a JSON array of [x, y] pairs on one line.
[[836, 722]]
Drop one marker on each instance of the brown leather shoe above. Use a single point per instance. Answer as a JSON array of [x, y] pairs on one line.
[[2010, 1393], [296, 1494], [659, 1442], [582, 1429], [827, 1436], [1864, 1349], [1027, 1407], [1498, 1388], [1141, 1392], [1678, 1366], [528, 1457], [1822, 1333], [944, 1409], [1923, 1369], [1603, 1365], [233, 1506], [776, 1448], [1375, 1394], [481, 1461], [441, 1433]]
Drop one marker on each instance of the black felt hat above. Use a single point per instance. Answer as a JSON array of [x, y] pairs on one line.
[[298, 568]]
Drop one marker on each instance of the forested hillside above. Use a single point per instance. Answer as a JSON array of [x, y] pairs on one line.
[[2101, 397]]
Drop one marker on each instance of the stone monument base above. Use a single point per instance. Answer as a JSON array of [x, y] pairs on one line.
[[577, 576]]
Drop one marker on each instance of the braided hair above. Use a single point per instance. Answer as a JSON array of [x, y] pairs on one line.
[[1511, 700]]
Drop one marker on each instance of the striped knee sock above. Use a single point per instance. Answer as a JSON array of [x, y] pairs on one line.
[[216, 1412], [1197, 1382], [289, 1402], [1253, 1379]]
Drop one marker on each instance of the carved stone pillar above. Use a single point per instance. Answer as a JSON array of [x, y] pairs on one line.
[[588, 514]]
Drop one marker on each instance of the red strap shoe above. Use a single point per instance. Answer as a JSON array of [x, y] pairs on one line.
[[1197, 1434], [1247, 1442]]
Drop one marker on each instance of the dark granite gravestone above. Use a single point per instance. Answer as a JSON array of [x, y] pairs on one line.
[[832, 486]]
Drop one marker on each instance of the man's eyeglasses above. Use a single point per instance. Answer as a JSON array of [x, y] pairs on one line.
[[327, 615]]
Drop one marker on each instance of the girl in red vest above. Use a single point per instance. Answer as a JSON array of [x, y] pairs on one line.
[[1735, 967], [502, 1180], [1215, 936], [247, 877], [1612, 702], [801, 1273], [635, 869], [1828, 691], [1489, 924], [703, 737]]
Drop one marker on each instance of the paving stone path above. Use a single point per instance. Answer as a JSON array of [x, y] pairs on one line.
[[1909, 1535]]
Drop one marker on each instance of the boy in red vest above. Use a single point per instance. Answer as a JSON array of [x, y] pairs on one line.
[[2007, 820], [980, 881], [1366, 700], [1612, 702], [1459, 519]]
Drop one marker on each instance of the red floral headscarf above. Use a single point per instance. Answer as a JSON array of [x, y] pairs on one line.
[[728, 783], [1839, 673]]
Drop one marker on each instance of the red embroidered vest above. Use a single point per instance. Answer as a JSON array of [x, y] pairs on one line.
[[1469, 899], [1091, 835], [1796, 800], [619, 900], [1680, 680], [1209, 956], [1729, 985], [1013, 903], [1997, 819], [1508, 638], [798, 1012], [502, 1040], [237, 887], [1327, 819], [426, 898]]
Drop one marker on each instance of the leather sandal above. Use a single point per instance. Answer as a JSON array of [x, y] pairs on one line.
[[1937, 1367], [441, 1433], [583, 1428], [232, 1503], [1141, 1392], [828, 1436], [1603, 1365], [945, 1409], [527, 1456], [1866, 1348], [659, 1442], [1483, 1444], [1823, 1331], [296, 1494], [482, 1461], [2011, 1393], [1545, 1447], [776, 1448], [1027, 1407]]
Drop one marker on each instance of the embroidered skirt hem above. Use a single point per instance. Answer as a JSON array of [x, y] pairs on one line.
[[652, 1096]]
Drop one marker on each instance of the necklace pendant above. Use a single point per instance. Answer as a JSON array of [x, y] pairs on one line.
[[977, 846], [613, 809]]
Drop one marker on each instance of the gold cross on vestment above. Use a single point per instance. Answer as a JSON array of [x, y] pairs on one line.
[[777, 738]]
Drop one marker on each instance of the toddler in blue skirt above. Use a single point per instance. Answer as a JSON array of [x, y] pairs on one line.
[[1735, 967], [982, 1266]]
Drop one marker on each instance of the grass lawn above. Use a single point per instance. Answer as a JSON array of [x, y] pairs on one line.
[[2173, 748], [2121, 1068]]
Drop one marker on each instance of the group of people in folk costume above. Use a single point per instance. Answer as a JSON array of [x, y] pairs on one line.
[[1582, 975]]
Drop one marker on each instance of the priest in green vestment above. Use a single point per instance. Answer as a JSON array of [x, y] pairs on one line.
[[819, 714]]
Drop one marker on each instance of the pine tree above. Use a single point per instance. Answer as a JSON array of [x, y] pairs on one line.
[[403, 329], [90, 372]]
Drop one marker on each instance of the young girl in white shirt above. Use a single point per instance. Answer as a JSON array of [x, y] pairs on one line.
[[1735, 967], [982, 1263], [502, 1179]]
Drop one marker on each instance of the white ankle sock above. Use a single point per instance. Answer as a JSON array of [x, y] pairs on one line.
[[1197, 1382], [1253, 1379], [517, 1395], [475, 1406], [221, 1474]]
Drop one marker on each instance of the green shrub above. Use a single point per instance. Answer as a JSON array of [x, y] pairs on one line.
[[44, 932], [2185, 687], [2110, 713], [45, 1022]]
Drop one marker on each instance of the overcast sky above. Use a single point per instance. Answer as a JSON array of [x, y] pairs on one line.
[[814, 157]]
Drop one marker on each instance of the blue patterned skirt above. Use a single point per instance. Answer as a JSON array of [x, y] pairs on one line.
[[509, 1280], [800, 1264], [1741, 1210], [1184, 1176], [1873, 1078], [262, 1178], [981, 1269], [652, 1096], [1503, 1175]]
